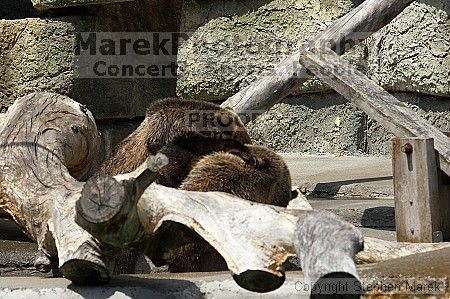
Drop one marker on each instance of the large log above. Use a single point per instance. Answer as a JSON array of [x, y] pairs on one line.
[[345, 33], [376, 250], [254, 239], [48, 142]]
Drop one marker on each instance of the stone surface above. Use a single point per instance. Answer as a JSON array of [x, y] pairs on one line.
[[422, 275], [191, 285], [38, 54], [413, 52], [34, 55], [377, 213], [327, 123], [235, 43], [48, 4], [311, 123]]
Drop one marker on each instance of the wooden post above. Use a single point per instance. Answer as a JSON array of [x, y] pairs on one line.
[[422, 192], [416, 190]]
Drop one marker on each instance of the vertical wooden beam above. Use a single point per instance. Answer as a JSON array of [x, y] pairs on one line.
[[416, 190]]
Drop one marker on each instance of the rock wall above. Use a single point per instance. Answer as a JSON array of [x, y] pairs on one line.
[[232, 44], [38, 54]]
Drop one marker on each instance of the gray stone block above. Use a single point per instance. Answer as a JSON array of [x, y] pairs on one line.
[[39, 55], [311, 123], [413, 52], [237, 41]]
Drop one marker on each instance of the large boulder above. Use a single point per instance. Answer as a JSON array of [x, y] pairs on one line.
[[38, 54], [413, 52]]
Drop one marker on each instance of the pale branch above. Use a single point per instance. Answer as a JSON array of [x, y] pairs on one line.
[[345, 33], [48, 140], [243, 232], [377, 250]]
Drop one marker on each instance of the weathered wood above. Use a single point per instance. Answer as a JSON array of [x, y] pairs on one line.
[[377, 250], [47, 141], [392, 114], [416, 191], [346, 32], [47, 137], [245, 234], [108, 205], [319, 249]]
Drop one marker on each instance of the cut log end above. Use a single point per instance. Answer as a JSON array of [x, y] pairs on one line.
[[83, 272], [337, 285], [101, 200], [259, 281]]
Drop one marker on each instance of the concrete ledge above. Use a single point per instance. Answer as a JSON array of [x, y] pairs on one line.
[[191, 285], [378, 213], [347, 176]]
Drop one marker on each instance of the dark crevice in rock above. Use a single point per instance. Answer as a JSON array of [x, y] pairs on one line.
[[17, 9]]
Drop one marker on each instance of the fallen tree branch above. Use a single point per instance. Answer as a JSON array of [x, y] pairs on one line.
[[48, 141], [377, 250], [254, 239]]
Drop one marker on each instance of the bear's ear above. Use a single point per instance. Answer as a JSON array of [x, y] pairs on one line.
[[294, 193]]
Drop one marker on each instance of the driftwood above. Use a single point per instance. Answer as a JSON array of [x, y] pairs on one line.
[[47, 138], [48, 144], [376, 250], [345, 33]]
